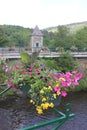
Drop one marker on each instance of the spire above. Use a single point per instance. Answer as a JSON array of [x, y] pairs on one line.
[[37, 32]]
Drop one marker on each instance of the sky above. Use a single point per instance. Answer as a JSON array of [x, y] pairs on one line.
[[44, 13]]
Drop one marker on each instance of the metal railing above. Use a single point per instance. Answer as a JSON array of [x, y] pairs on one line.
[[63, 117]]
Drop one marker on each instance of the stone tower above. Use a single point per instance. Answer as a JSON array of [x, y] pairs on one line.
[[36, 40]]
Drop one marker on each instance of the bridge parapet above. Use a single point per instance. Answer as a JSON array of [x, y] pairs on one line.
[[16, 55]]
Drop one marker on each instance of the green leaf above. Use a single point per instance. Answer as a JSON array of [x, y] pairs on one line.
[[25, 57]]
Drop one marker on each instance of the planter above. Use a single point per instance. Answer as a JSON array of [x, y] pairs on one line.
[[57, 100], [25, 89]]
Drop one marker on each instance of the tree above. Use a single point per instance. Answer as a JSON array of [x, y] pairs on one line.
[[63, 37], [3, 39], [66, 62], [81, 39]]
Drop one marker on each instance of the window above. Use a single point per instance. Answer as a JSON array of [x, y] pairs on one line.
[[37, 44]]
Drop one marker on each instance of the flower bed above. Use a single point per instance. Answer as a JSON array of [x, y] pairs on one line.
[[42, 85]]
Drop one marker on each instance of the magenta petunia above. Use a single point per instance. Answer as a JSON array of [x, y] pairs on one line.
[[30, 73], [57, 89], [68, 74], [37, 70], [64, 93], [79, 76], [76, 82], [24, 72], [64, 84], [13, 86]]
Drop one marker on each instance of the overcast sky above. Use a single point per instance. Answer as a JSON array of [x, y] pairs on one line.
[[44, 13]]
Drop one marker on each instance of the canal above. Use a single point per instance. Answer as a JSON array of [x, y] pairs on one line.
[[16, 113]]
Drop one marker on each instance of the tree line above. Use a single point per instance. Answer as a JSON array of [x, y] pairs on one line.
[[62, 38]]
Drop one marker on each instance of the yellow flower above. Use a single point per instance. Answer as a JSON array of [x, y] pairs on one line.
[[44, 99], [39, 111], [45, 105], [44, 88], [58, 93], [31, 101], [57, 84], [54, 95], [51, 105], [41, 92], [61, 79], [50, 88]]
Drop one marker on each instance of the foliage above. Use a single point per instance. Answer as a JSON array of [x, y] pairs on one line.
[[4, 75], [82, 85], [25, 57], [81, 39], [3, 38], [3, 71], [49, 63], [66, 62], [16, 35], [83, 82], [62, 37], [73, 27]]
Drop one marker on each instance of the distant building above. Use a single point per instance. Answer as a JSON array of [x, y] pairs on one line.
[[36, 40]]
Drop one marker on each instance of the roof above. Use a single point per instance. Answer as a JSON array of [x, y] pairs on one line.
[[37, 32]]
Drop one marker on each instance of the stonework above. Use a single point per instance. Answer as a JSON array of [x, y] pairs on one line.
[[36, 40]]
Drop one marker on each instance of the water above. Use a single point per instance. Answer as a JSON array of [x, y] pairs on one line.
[[16, 113]]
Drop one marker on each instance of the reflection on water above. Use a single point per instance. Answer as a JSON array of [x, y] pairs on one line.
[[16, 113]]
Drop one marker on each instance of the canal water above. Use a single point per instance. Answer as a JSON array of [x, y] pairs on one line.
[[17, 113]]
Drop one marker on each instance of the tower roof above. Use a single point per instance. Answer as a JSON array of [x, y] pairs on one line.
[[37, 32]]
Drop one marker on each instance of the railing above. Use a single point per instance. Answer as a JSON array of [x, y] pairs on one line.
[[15, 54], [5, 89], [46, 49], [59, 120]]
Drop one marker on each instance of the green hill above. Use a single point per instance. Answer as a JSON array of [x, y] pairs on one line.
[[14, 35], [73, 27]]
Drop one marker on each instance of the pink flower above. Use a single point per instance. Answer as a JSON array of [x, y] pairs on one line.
[[68, 74], [56, 89], [37, 70], [30, 69], [74, 72], [64, 93], [76, 82], [24, 72], [55, 77], [16, 67], [30, 73], [9, 70], [50, 84], [9, 83], [79, 76], [64, 84], [13, 86]]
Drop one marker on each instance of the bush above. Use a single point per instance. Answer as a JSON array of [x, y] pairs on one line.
[[66, 62]]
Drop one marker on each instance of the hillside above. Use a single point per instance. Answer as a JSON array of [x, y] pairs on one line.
[[20, 36], [14, 35], [73, 27]]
